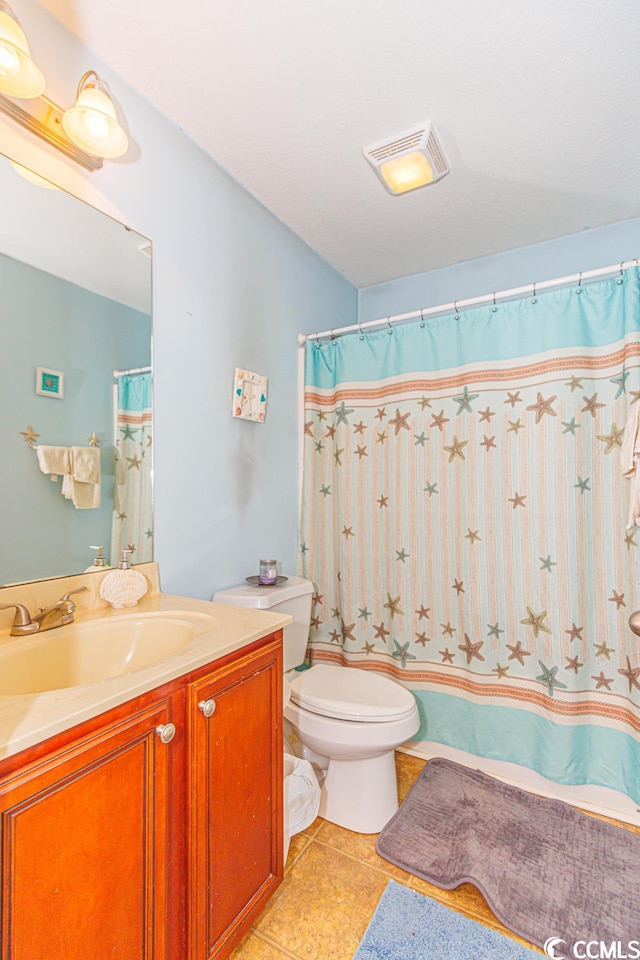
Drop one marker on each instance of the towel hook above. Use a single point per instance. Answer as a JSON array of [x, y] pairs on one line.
[[620, 278], [494, 308], [579, 289], [456, 315], [534, 299]]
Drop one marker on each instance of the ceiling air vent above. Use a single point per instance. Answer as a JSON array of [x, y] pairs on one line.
[[409, 160]]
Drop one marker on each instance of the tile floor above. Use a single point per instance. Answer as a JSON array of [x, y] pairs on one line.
[[333, 881]]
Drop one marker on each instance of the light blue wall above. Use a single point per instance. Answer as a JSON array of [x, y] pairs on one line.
[[542, 261], [51, 323], [232, 286]]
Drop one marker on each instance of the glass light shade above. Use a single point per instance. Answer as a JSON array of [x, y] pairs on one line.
[[92, 124], [19, 75], [408, 172], [33, 177]]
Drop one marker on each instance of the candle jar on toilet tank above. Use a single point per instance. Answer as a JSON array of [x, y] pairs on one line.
[[268, 572]]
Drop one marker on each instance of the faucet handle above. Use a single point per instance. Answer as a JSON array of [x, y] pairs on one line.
[[22, 623], [77, 590], [67, 598]]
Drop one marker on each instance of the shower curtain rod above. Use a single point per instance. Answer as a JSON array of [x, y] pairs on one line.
[[457, 305], [129, 373]]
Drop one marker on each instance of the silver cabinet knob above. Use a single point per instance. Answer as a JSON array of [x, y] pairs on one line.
[[207, 706], [166, 732]]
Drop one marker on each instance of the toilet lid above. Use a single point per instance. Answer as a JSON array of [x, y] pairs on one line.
[[351, 694]]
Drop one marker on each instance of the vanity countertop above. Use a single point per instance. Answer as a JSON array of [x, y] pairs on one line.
[[221, 629]]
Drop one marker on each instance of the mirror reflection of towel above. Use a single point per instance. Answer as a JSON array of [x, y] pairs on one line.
[[82, 484], [54, 460]]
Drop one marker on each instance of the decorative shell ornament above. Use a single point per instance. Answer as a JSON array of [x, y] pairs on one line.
[[123, 588]]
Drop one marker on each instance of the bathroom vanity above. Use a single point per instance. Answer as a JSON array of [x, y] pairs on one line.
[[148, 826]]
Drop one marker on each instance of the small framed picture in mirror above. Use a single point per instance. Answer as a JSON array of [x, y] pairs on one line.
[[49, 383]]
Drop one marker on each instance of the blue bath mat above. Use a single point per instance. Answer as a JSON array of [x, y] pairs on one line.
[[409, 926]]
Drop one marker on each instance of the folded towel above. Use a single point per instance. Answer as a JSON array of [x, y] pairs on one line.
[[629, 458], [54, 459], [85, 496], [82, 484], [85, 464]]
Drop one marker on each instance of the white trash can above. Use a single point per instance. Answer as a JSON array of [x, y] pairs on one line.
[[301, 797]]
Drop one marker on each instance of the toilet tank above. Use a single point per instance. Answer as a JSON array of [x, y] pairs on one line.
[[292, 597]]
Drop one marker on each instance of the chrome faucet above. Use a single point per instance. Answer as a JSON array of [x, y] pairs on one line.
[[55, 615]]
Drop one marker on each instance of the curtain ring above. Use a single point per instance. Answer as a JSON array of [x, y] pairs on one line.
[[333, 338], [390, 330], [620, 278], [494, 308], [534, 299], [579, 289], [317, 344], [361, 333], [422, 317], [456, 315]]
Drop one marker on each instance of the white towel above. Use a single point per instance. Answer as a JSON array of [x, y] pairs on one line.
[[85, 493], [629, 458], [54, 459], [85, 464]]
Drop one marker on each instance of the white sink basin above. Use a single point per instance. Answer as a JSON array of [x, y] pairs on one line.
[[86, 653]]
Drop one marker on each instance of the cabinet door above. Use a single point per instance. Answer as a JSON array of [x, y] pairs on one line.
[[84, 845], [235, 786]]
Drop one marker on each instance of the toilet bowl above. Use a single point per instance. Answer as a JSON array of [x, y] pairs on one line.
[[349, 721]]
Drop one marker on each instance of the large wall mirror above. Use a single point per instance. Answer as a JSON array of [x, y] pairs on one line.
[[75, 307]]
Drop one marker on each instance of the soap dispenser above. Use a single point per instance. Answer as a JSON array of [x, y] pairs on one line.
[[124, 586], [99, 563]]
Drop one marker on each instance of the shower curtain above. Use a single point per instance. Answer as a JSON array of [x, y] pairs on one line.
[[464, 521], [132, 524]]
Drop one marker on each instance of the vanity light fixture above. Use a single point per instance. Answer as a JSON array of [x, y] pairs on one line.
[[409, 160], [92, 123], [19, 75], [87, 132]]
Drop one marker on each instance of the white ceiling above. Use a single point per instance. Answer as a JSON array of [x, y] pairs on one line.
[[536, 105]]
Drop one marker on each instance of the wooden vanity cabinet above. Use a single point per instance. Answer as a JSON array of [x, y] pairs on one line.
[[85, 846], [235, 799], [119, 846]]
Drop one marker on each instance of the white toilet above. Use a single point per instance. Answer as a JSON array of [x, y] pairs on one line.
[[348, 720]]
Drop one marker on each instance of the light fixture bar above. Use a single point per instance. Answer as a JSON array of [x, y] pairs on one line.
[[43, 117]]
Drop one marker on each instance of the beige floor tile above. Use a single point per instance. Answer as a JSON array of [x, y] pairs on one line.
[[296, 845], [253, 947], [323, 906], [408, 769], [360, 846]]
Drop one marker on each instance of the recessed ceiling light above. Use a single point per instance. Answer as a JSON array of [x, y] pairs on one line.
[[409, 160]]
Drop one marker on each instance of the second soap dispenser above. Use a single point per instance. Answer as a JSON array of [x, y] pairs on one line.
[[124, 586]]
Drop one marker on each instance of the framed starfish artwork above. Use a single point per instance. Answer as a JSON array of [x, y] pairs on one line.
[[49, 383], [249, 395]]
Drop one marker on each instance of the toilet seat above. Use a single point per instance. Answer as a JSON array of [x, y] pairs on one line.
[[351, 694]]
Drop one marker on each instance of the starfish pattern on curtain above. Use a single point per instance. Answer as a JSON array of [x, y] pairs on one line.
[[464, 524]]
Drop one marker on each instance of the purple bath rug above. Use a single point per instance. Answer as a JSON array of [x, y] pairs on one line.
[[545, 869]]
